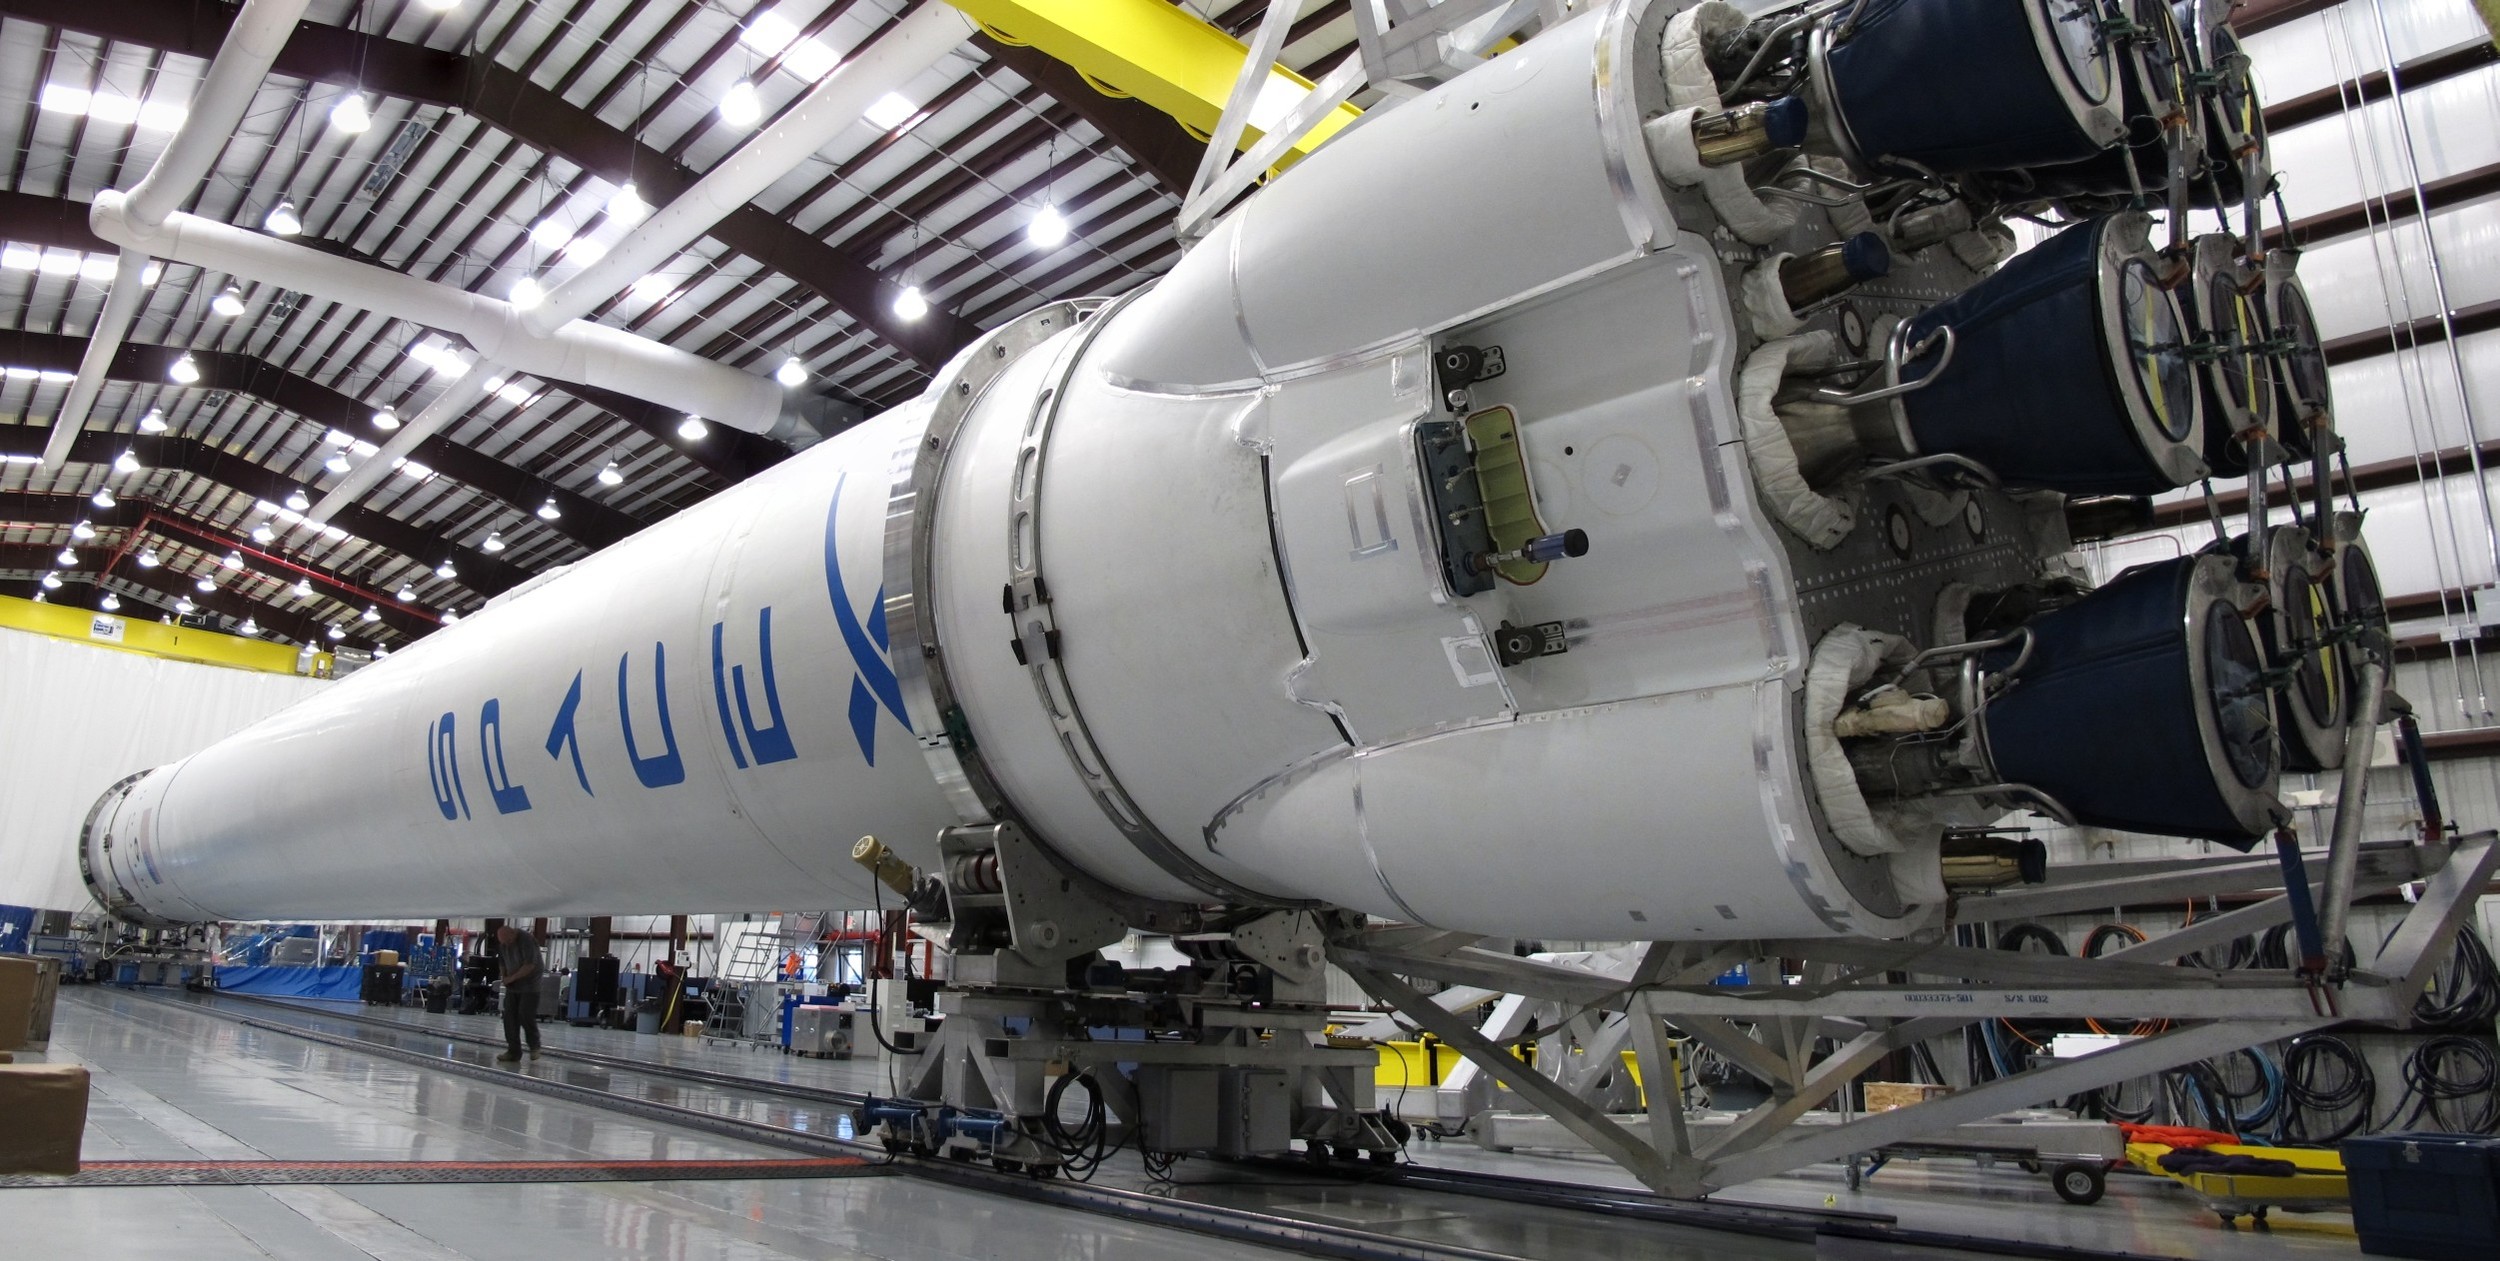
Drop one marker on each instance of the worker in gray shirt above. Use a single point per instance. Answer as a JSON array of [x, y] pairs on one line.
[[521, 966]]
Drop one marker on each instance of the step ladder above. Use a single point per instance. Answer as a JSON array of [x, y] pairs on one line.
[[753, 960]]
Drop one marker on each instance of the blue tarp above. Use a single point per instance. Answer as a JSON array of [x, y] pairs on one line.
[[17, 923], [345, 985]]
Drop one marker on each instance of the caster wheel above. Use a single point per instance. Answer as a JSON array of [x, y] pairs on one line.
[[1381, 1158], [2028, 1166], [1316, 1153], [1042, 1173], [2078, 1183]]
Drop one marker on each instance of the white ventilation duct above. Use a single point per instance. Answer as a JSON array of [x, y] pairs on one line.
[[252, 45], [591, 354], [837, 102]]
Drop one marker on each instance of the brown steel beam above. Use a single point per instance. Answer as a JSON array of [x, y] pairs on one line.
[[597, 525], [1160, 146], [179, 525], [2482, 317], [508, 101], [2404, 471], [2421, 72], [478, 571]]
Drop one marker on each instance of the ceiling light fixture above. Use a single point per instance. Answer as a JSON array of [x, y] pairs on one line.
[[283, 220], [350, 115], [407, 593], [740, 106], [887, 112], [233, 560], [526, 293], [337, 463], [68, 558], [228, 302], [103, 497], [302, 590], [493, 543], [380, 651], [335, 633], [186, 371], [445, 571], [127, 462], [627, 206], [249, 627], [148, 558], [911, 304], [692, 429], [386, 420], [297, 500], [1048, 229], [184, 606], [450, 617], [111, 603], [611, 475], [51, 582], [153, 422], [82, 531], [264, 533], [548, 511], [791, 373], [371, 614], [206, 583]]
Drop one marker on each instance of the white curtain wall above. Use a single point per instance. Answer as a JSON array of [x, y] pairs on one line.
[[75, 718]]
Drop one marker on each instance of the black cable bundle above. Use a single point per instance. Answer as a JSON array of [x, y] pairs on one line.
[[1083, 1149], [2449, 1070], [2324, 1077], [2465, 992]]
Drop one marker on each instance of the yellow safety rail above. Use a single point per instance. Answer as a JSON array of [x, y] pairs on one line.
[[1157, 52], [157, 639]]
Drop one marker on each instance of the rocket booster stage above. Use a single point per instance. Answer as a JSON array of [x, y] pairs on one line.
[[1477, 529]]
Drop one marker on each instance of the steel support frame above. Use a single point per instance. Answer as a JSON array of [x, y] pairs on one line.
[[1848, 990]]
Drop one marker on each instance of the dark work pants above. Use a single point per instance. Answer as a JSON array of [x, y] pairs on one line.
[[520, 1012]]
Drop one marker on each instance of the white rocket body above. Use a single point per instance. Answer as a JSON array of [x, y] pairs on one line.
[[1262, 687]]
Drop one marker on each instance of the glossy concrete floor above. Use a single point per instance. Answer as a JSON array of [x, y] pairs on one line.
[[177, 1082]]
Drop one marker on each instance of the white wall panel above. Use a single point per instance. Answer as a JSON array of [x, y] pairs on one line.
[[2373, 280], [75, 718], [2424, 537], [2295, 59], [2341, 159]]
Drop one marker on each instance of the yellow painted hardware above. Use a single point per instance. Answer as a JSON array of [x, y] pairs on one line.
[[1412, 1064], [1158, 52], [2317, 1183], [155, 639], [1502, 475]]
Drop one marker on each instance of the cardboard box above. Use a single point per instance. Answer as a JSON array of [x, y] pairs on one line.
[[28, 988], [46, 1107], [1884, 1096]]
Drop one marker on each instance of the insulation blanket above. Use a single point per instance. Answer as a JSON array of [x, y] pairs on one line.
[[344, 985]]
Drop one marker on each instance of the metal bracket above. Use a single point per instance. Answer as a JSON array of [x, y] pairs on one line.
[[1288, 941], [1049, 918]]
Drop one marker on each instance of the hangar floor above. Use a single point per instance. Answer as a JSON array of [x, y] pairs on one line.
[[176, 1082]]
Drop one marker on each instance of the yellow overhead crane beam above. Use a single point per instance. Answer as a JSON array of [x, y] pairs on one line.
[[157, 639], [1157, 52]]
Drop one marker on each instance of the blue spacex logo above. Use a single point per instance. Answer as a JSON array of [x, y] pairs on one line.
[[875, 684]]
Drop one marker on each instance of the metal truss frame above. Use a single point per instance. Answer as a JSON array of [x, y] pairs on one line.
[[1850, 995]]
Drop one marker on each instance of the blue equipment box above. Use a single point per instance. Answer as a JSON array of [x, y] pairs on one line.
[[2434, 1196]]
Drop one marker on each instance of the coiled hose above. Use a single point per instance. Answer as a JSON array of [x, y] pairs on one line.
[[2324, 1078]]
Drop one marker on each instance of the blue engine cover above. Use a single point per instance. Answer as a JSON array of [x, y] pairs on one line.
[[2032, 392], [1954, 85], [2105, 718]]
